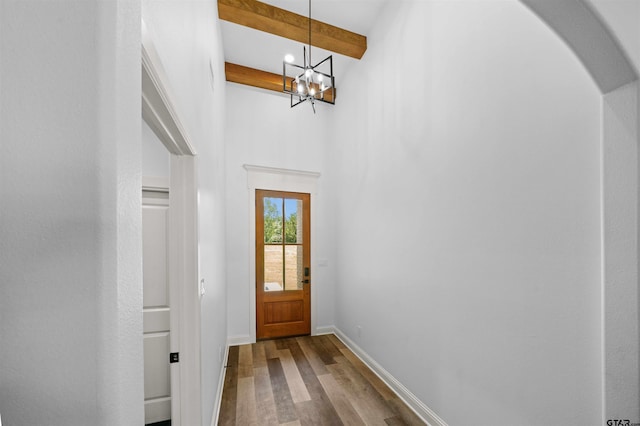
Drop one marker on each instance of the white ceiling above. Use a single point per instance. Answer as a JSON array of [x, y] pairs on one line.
[[264, 51]]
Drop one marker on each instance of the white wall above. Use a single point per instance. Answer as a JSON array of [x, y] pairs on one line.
[[468, 217], [620, 242], [620, 158], [621, 190], [186, 36], [70, 275], [155, 157], [622, 17], [263, 130]]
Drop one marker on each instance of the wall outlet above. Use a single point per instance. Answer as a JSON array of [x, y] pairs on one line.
[[220, 354], [359, 330]]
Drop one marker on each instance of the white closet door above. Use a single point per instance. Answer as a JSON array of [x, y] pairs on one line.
[[157, 307]]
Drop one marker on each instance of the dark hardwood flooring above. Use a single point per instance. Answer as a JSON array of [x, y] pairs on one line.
[[311, 380]]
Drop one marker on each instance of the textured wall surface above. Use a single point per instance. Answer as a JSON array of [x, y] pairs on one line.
[[70, 276], [620, 206], [622, 18], [620, 138]]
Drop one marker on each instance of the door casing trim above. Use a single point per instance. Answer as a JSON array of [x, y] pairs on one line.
[[160, 113]]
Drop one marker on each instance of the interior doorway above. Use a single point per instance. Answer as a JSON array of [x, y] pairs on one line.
[[283, 264], [156, 310], [162, 117]]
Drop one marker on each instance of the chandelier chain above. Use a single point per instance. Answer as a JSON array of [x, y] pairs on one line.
[[310, 33]]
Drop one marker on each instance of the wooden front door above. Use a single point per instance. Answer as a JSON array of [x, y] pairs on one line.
[[283, 272]]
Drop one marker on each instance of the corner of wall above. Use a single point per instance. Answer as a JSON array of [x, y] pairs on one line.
[[620, 317]]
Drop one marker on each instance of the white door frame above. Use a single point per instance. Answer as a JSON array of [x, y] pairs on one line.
[[276, 179], [160, 114]]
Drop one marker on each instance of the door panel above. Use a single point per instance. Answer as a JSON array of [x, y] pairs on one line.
[[156, 348], [156, 307], [283, 274]]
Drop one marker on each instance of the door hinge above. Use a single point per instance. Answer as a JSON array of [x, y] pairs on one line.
[[174, 357]]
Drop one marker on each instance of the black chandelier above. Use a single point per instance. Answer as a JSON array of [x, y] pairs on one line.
[[310, 82]]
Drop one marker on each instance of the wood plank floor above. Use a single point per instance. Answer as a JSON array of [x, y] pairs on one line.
[[311, 380]]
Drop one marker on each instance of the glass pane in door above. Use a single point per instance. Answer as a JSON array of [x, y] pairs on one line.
[[273, 268], [273, 220], [293, 221], [293, 272]]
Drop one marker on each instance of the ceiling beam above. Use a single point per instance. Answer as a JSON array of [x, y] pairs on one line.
[[281, 22], [252, 77], [262, 79]]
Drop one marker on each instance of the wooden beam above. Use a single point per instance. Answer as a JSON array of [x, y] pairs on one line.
[[257, 78], [253, 77], [273, 20]]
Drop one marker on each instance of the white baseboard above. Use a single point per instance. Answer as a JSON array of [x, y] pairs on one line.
[[238, 340], [327, 329], [419, 407], [223, 374]]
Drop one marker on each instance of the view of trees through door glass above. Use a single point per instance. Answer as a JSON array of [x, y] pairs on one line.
[[283, 250]]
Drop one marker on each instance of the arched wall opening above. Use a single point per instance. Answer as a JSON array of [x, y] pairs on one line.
[[591, 40]]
